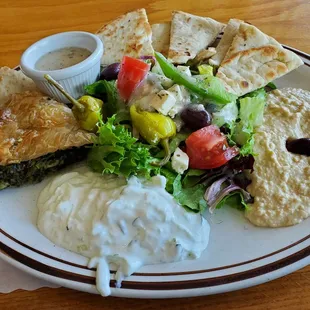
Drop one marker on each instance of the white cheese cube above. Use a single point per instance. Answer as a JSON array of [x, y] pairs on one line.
[[164, 81], [179, 161], [182, 98], [163, 101], [176, 92], [185, 70]]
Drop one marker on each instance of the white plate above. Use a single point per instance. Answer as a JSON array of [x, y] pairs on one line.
[[239, 254]]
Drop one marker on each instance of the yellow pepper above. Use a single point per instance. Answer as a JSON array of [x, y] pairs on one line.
[[86, 110], [154, 128], [88, 118]]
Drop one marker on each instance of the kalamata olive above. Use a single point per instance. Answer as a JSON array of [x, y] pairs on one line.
[[196, 117], [110, 72], [299, 146]]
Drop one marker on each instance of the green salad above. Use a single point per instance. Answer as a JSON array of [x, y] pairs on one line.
[[179, 122]]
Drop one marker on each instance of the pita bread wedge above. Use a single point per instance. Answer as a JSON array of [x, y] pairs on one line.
[[190, 34], [161, 37], [129, 34], [224, 44], [248, 36], [254, 68], [11, 82], [253, 60]]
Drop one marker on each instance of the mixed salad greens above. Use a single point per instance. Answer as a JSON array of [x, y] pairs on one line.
[[179, 122]]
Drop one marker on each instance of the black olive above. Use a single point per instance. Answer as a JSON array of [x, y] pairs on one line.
[[196, 117], [110, 72], [299, 146]]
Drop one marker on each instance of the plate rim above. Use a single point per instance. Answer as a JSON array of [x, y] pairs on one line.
[[262, 274]]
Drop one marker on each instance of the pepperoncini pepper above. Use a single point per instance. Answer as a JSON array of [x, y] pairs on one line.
[[86, 110], [154, 128], [88, 118]]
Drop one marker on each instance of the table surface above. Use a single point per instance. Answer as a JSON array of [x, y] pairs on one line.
[[25, 21]]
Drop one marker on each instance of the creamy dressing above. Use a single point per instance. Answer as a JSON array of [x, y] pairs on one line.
[[62, 58], [124, 223]]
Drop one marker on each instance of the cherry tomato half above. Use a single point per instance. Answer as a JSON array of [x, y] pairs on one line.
[[207, 148], [131, 73]]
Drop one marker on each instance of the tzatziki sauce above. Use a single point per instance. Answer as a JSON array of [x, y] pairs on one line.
[[118, 223], [62, 58]]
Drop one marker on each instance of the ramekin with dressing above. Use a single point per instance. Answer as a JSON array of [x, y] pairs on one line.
[[72, 73]]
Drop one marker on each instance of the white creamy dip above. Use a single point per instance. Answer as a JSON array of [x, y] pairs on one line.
[[128, 224], [62, 58]]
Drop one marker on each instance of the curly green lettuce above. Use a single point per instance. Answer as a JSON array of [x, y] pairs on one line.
[[116, 151]]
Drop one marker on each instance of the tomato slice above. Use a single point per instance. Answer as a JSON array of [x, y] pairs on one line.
[[131, 73], [207, 148]]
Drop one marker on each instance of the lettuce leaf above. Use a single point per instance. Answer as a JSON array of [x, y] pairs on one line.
[[252, 110], [117, 151], [107, 91], [227, 115], [170, 176], [233, 200], [251, 115], [271, 85], [205, 69], [258, 93], [216, 91], [190, 198], [193, 177], [174, 143]]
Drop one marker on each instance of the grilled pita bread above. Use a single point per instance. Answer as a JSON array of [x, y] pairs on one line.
[[248, 36], [224, 44], [253, 60], [161, 37], [11, 82], [190, 34], [129, 34]]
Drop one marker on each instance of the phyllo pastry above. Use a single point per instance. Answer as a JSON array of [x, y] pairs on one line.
[[37, 135]]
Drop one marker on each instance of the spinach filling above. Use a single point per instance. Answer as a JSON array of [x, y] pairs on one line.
[[35, 170]]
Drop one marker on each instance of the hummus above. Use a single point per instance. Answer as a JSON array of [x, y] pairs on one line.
[[281, 180]]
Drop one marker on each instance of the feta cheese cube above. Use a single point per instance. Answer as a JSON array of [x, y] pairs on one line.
[[179, 161], [176, 92], [164, 81], [163, 101], [182, 98], [185, 70]]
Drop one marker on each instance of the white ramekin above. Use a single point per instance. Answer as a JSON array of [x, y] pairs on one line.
[[73, 78]]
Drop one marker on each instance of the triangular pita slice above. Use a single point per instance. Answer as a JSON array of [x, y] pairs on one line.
[[161, 37], [190, 34], [253, 60], [129, 34], [13, 81], [224, 44], [248, 36]]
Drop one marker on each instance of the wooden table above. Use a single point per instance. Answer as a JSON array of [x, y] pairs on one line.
[[22, 22]]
